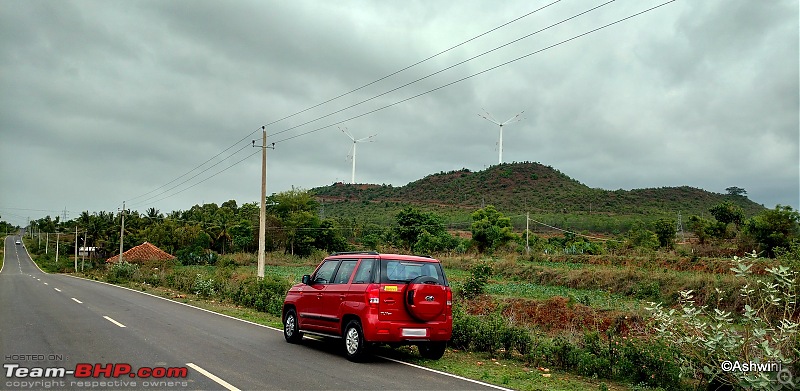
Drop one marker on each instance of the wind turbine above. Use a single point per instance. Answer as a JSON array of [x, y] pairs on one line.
[[355, 142], [511, 120]]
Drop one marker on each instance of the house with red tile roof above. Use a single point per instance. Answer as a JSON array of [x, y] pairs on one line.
[[143, 252]]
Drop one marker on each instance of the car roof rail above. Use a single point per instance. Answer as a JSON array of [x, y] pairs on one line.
[[423, 256], [356, 253]]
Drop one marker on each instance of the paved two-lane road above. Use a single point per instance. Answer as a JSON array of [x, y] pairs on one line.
[[51, 321]]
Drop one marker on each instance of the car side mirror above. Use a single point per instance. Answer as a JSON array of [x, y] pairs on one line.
[[307, 279]]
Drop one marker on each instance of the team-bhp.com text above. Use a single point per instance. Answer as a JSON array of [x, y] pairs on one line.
[[93, 371]]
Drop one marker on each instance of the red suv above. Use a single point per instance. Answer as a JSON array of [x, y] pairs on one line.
[[369, 298]]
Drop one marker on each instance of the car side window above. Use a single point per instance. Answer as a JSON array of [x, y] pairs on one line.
[[364, 272], [345, 271], [324, 274]]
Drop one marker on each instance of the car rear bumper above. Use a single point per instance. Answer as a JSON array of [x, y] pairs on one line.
[[409, 332]]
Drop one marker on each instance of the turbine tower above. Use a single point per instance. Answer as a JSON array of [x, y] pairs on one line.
[[355, 142], [511, 120]]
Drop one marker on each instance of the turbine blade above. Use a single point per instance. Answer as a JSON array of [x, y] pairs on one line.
[[490, 116], [348, 134]]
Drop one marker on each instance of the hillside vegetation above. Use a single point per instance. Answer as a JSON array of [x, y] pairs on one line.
[[519, 188]]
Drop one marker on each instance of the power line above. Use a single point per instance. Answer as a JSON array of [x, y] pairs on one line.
[[211, 176], [472, 75], [352, 91], [434, 89], [406, 68], [444, 69], [201, 165], [189, 179]]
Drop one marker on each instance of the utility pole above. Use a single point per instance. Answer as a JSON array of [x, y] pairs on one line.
[[76, 248], [262, 217], [83, 257], [527, 231], [46, 242], [121, 232], [58, 235], [262, 223]]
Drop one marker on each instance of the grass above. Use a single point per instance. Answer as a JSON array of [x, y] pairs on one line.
[[598, 299], [505, 373]]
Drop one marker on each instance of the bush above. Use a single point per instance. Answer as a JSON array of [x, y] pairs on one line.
[[476, 282], [203, 287], [765, 331], [488, 334], [121, 272], [265, 295]]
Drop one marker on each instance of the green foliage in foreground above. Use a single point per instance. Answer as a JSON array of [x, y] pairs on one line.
[[210, 283], [764, 331], [651, 364]]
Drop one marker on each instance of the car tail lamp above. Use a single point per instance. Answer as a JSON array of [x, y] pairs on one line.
[[449, 298], [373, 291]]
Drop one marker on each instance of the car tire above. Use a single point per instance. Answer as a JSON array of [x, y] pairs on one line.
[[291, 330], [432, 350], [354, 345]]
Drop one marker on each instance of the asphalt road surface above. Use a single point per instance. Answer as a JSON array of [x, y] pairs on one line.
[[62, 332]]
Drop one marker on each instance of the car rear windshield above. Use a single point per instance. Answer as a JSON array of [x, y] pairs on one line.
[[402, 271]]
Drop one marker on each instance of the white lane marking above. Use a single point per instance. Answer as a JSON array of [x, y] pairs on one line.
[[114, 321], [446, 374], [46, 283], [57, 290], [76, 300], [212, 377]]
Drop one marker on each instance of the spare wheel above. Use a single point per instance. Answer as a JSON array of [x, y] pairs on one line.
[[425, 298]]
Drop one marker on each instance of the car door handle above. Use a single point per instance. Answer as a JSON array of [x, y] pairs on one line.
[[389, 301]]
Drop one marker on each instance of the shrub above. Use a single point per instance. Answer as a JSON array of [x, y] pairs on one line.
[[476, 282], [765, 331], [203, 286], [121, 272], [264, 295], [488, 334]]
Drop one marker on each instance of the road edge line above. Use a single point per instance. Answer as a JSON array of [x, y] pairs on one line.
[[213, 377]]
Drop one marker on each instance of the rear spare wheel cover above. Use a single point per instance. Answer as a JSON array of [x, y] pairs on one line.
[[425, 301]]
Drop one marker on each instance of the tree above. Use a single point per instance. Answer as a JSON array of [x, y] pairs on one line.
[[698, 225], [728, 212], [411, 223], [639, 236], [774, 229], [736, 191], [242, 236], [153, 213], [490, 229], [296, 209], [329, 237], [665, 231]]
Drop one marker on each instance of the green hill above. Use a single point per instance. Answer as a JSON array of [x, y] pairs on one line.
[[518, 188]]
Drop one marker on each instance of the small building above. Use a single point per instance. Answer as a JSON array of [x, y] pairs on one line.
[[142, 253], [87, 251]]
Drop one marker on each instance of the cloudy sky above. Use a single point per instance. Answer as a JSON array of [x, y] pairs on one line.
[[155, 103]]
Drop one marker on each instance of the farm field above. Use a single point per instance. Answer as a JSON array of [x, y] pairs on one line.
[[543, 322]]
